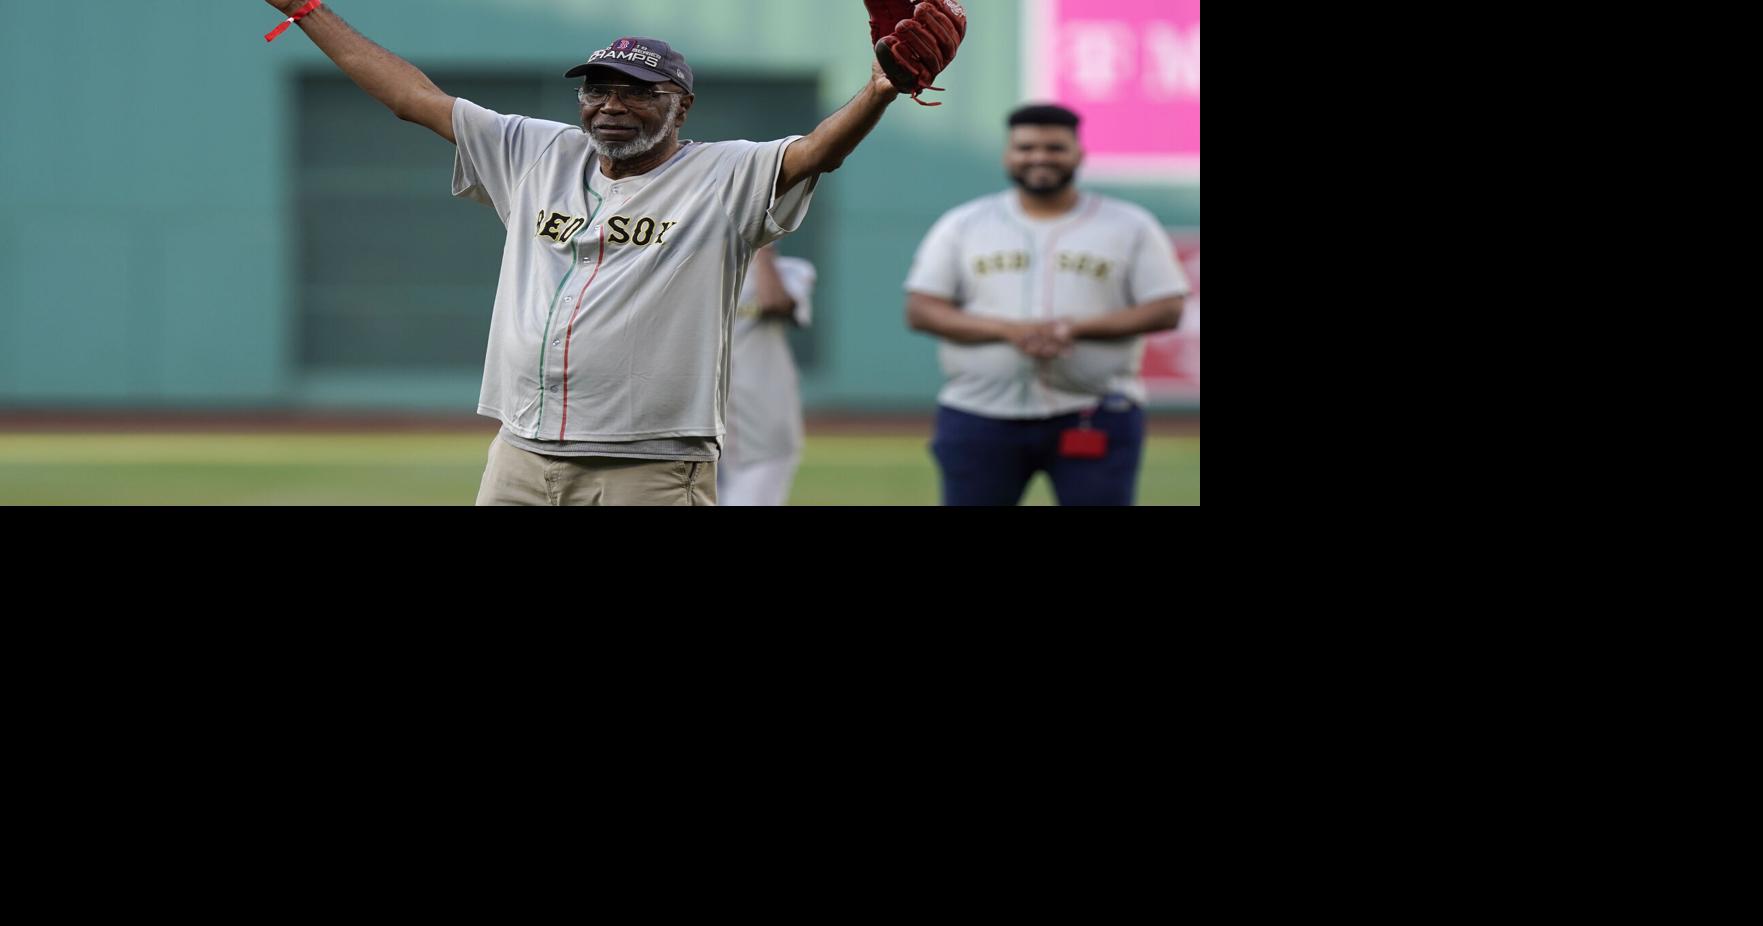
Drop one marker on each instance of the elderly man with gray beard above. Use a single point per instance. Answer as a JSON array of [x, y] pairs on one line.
[[626, 248]]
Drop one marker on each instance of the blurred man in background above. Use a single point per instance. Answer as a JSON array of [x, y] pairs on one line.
[[1041, 296]]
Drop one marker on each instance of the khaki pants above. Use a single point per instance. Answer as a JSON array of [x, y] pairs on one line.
[[520, 477]]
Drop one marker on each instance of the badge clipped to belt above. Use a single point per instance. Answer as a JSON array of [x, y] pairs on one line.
[[1083, 442]]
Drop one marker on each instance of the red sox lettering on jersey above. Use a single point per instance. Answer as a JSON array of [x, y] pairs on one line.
[[620, 229], [640, 231], [559, 227], [617, 294], [1065, 261]]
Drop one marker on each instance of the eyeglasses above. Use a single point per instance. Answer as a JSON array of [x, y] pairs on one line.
[[640, 94]]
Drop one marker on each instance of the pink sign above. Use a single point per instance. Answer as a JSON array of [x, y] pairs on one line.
[[1172, 359], [1131, 68]]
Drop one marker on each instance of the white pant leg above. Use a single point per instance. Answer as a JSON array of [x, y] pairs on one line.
[[764, 483]]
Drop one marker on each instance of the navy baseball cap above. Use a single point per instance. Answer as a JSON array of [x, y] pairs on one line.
[[645, 59]]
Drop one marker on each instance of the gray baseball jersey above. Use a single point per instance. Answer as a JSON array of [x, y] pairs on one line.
[[764, 401], [990, 258], [616, 297]]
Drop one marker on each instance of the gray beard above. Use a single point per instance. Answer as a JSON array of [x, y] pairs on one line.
[[643, 144]]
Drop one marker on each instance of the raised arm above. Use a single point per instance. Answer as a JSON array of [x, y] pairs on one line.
[[824, 149], [913, 41], [396, 83]]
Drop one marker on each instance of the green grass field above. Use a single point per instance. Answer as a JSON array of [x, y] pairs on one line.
[[443, 469]]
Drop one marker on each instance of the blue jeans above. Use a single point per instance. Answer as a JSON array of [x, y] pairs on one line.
[[989, 461]]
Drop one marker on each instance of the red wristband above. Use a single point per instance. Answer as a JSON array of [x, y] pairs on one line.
[[299, 14]]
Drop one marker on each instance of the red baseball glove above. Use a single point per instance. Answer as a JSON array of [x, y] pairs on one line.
[[915, 40]]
